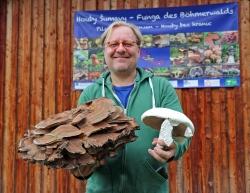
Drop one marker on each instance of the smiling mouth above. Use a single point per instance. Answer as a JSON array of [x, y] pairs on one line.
[[121, 57]]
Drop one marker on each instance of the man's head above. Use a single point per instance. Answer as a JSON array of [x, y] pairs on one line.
[[121, 42]]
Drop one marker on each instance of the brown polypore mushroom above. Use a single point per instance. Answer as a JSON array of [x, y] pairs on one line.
[[80, 138]]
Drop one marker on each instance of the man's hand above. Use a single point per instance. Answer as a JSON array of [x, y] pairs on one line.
[[161, 151]]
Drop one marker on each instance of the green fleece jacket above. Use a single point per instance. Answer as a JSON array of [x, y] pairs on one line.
[[134, 170]]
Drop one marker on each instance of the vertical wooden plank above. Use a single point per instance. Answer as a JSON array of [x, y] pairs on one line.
[[131, 4], [64, 74], [173, 3], [77, 5], [3, 17], [174, 186], [104, 5], [240, 174], [216, 1], [188, 3], [36, 95], [74, 98], [189, 169], [23, 88], [145, 4], [90, 5], [155, 3], [117, 4], [64, 49], [245, 84], [60, 56], [126, 4], [186, 171], [201, 133], [50, 61], [50, 57], [215, 124], [162, 3], [201, 2], [242, 106], [10, 121], [224, 174], [194, 148], [232, 140], [208, 142]]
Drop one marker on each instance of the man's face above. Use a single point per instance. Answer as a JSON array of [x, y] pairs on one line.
[[121, 50]]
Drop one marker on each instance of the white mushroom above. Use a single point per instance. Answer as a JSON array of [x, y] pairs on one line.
[[170, 123]]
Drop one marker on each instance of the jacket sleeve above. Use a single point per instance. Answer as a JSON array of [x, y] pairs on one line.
[[84, 97], [181, 147], [169, 99]]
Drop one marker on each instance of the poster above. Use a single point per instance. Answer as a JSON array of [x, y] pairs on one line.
[[192, 46]]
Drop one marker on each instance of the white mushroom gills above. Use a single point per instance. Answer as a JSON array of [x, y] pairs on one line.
[[166, 132]]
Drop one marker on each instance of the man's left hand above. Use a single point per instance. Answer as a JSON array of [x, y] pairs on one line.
[[161, 151]]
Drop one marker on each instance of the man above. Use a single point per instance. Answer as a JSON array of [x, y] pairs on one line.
[[141, 165]]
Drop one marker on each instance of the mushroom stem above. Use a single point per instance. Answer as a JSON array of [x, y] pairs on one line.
[[166, 132]]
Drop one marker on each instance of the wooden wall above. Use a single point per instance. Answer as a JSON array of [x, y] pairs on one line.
[[35, 82]]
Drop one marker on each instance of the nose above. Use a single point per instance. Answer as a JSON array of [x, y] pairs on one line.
[[120, 47]]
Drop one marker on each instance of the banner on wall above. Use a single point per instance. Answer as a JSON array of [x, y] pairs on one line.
[[192, 46]]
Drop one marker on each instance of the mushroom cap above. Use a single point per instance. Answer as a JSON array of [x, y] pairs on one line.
[[154, 118]]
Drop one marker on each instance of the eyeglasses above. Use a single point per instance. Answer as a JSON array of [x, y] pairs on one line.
[[126, 44]]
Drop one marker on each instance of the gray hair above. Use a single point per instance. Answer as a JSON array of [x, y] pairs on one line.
[[134, 28]]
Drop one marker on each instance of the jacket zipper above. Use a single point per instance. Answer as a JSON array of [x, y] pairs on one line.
[[124, 151]]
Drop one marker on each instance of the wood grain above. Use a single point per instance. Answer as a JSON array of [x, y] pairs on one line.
[[36, 81], [3, 16], [36, 84], [10, 98]]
